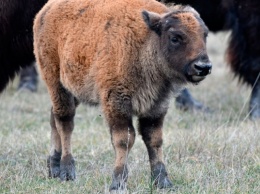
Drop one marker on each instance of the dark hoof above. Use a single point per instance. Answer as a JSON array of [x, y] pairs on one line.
[[163, 183], [28, 79], [120, 176], [53, 164], [254, 105], [30, 86], [255, 114], [160, 178], [67, 169], [117, 185]]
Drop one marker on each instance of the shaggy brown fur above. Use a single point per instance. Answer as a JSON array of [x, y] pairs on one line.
[[128, 56]]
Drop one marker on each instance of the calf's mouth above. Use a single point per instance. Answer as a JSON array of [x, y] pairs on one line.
[[198, 70]]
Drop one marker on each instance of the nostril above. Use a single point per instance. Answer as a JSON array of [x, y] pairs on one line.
[[203, 69], [198, 67]]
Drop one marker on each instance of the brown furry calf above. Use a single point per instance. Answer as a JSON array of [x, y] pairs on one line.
[[127, 55]]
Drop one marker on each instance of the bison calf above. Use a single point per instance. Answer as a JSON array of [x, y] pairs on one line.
[[129, 56]]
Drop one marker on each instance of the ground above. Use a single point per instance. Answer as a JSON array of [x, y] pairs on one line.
[[217, 152]]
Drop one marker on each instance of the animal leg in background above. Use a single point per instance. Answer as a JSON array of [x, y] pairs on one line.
[[254, 105], [61, 162], [185, 101], [151, 131], [28, 78]]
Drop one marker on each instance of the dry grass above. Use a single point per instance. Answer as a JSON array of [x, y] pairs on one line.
[[204, 153]]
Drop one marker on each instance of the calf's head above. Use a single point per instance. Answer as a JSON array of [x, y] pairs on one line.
[[181, 41]]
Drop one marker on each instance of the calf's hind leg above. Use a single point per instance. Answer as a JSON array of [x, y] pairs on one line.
[[53, 161], [151, 131], [61, 163]]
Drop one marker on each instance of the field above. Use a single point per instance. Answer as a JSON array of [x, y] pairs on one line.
[[217, 152]]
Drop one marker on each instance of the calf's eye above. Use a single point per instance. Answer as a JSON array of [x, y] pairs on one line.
[[176, 40]]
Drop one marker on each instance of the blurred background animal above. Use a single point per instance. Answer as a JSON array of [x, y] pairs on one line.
[[16, 44]]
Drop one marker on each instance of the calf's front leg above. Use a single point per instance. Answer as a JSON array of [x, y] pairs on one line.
[[151, 131], [122, 137]]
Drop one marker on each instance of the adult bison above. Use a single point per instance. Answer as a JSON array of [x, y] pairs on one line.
[[16, 44], [242, 17], [243, 53], [129, 58]]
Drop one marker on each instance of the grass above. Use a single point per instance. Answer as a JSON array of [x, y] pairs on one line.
[[204, 153]]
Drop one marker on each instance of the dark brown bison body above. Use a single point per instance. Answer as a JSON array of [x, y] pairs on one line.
[[244, 48], [129, 58], [16, 44], [243, 52], [242, 17]]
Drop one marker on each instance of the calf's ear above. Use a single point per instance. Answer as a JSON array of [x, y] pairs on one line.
[[152, 20]]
